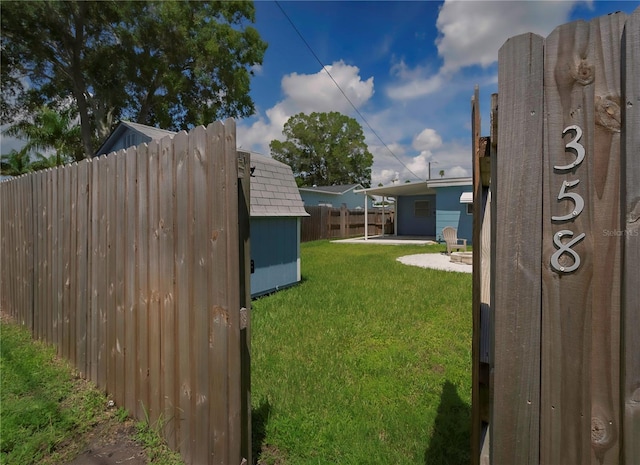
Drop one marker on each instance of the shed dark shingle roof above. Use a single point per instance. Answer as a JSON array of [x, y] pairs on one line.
[[274, 191]]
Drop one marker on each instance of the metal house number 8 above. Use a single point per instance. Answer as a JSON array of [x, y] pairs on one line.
[[563, 248]]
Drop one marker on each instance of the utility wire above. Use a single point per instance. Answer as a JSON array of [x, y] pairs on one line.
[[342, 91]]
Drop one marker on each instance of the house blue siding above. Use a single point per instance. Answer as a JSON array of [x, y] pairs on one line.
[[275, 253], [408, 224], [450, 212]]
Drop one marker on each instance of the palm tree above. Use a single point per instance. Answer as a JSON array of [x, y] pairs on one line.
[[441, 173], [51, 130], [15, 163]]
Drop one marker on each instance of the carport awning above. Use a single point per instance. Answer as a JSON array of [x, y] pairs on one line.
[[466, 197]]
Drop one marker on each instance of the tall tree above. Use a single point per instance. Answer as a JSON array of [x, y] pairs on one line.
[[168, 63], [324, 149], [51, 130]]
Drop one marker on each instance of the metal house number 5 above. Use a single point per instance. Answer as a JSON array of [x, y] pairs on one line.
[[565, 248]]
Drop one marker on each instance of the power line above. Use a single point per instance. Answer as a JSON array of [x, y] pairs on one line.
[[342, 91]]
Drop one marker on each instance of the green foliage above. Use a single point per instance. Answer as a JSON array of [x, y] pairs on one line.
[[366, 361], [15, 163], [50, 129], [169, 63], [33, 390], [324, 149]]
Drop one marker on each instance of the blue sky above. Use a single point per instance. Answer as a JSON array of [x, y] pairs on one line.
[[409, 67]]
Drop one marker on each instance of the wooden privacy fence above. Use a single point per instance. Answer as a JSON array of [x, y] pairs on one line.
[[134, 265], [340, 223], [557, 254]]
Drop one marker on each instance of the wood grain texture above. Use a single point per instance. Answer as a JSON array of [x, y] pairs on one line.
[[516, 254], [219, 322], [83, 224], [143, 393], [166, 262], [580, 358], [183, 305], [200, 269], [630, 318], [154, 314], [130, 214], [476, 424]]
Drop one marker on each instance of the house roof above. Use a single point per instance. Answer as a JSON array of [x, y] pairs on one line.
[[148, 132], [274, 191], [415, 188], [331, 190]]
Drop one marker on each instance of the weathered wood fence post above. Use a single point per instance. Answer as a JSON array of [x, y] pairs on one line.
[[563, 381]]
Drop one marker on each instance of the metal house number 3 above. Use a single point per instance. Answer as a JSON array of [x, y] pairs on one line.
[[565, 248]]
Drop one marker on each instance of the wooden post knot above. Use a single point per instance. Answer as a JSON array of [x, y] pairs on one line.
[[600, 432], [608, 112], [583, 73]]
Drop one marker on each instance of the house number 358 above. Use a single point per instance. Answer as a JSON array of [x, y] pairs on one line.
[[578, 206]]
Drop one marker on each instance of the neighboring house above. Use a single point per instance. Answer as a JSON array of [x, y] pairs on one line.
[[276, 211], [127, 134], [333, 196], [425, 208]]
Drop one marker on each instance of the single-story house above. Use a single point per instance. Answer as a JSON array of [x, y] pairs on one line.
[[334, 196], [275, 216], [425, 208]]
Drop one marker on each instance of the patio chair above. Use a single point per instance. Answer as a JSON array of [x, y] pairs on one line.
[[451, 238]]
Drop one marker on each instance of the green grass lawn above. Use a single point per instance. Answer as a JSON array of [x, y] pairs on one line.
[[367, 361]]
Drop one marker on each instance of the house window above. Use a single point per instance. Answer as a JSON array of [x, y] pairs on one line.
[[469, 209], [421, 208]]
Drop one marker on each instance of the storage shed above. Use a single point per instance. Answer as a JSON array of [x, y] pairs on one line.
[[276, 211]]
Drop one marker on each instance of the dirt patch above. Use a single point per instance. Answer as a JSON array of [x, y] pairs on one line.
[[110, 444]]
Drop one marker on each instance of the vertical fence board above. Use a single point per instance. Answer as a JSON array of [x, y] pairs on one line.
[[94, 315], [82, 266], [130, 284], [72, 231], [580, 411], [566, 345], [181, 147], [606, 32], [630, 321], [476, 424], [167, 300], [111, 273], [120, 244], [155, 342], [198, 218], [38, 249], [516, 297], [142, 290], [234, 430], [244, 208], [220, 317]]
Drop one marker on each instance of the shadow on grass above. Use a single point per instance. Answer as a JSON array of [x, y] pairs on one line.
[[451, 438], [259, 421]]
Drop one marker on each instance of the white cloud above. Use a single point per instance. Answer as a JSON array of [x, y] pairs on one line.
[[412, 83], [427, 140], [306, 93], [471, 33], [318, 92]]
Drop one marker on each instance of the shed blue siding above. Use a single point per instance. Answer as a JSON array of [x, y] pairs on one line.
[[275, 252], [450, 212], [408, 224]]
